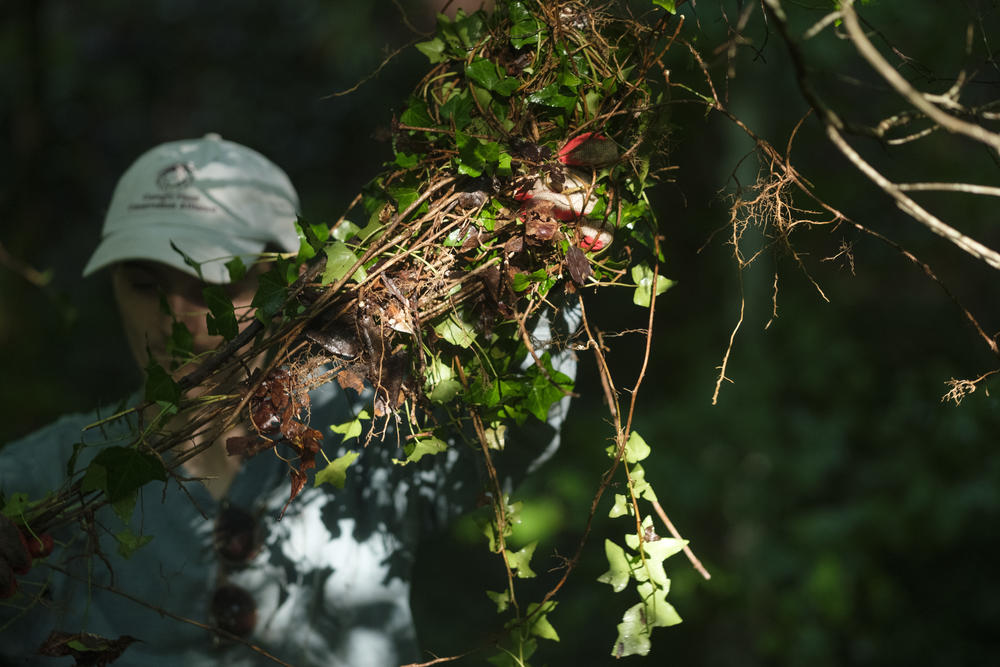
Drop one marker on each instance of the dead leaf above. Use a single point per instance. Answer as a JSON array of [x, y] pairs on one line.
[[87, 650], [348, 379], [247, 447], [578, 265]]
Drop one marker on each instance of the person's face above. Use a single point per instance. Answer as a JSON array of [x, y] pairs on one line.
[[139, 287]]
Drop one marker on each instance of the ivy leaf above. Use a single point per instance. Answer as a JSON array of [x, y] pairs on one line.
[[621, 507], [643, 277], [129, 542], [16, 504], [188, 260], [501, 599], [160, 387], [406, 160], [485, 73], [221, 317], [236, 268], [636, 449], [180, 345], [542, 393], [270, 296], [525, 28], [540, 626], [336, 472], [121, 471], [351, 429], [311, 239], [619, 570], [404, 196], [456, 331], [416, 114], [550, 96], [639, 620], [433, 49], [422, 447], [339, 260], [640, 486], [520, 560]]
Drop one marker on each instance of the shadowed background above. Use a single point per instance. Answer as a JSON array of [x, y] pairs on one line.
[[847, 514]]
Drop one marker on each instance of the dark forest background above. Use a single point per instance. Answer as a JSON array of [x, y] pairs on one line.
[[847, 514]]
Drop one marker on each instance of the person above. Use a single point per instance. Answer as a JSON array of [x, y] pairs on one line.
[[204, 572]]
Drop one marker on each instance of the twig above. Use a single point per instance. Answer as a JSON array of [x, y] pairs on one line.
[[687, 550]]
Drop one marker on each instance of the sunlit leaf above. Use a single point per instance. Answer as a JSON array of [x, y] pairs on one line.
[[335, 473], [540, 625], [339, 260], [520, 560], [456, 331], [420, 448], [642, 274], [619, 571]]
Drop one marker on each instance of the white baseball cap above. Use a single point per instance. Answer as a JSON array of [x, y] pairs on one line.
[[213, 199]]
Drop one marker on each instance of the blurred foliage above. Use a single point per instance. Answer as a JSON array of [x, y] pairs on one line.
[[844, 511]]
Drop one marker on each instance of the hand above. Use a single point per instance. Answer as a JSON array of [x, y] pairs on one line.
[[17, 551]]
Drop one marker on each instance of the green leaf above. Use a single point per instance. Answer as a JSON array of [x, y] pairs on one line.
[[433, 49], [351, 429], [487, 75], [636, 448], [187, 260], [416, 114], [640, 486], [120, 471], [221, 317], [445, 391], [520, 560], [525, 28], [643, 277], [339, 260], [129, 542], [540, 626], [621, 507], [551, 96], [311, 239], [124, 507], [404, 196], [270, 296], [669, 5], [237, 269], [160, 387], [483, 72], [336, 472], [638, 622], [421, 447], [180, 345], [544, 391], [619, 571], [458, 109], [345, 230], [16, 504], [456, 331], [500, 599], [406, 160]]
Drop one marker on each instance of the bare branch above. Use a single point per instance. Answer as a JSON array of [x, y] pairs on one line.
[[903, 87]]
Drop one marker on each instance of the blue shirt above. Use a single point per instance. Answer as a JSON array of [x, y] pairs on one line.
[[331, 581]]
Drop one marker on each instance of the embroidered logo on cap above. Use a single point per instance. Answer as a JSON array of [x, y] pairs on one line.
[[176, 176]]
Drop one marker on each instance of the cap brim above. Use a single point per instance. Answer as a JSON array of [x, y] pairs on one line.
[[153, 243]]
